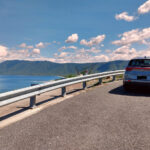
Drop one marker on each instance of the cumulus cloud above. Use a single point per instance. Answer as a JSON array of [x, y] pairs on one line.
[[29, 47], [63, 54], [24, 45], [85, 55], [40, 45], [124, 16], [87, 58], [3, 51], [133, 36], [67, 47], [18, 54], [55, 42], [144, 8], [93, 41], [62, 48], [91, 55], [36, 51], [81, 56], [72, 47], [126, 52], [93, 50], [72, 38], [24, 53], [101, 58], [108, 51], [123, 53]]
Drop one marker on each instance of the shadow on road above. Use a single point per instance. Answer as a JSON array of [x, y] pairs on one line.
[[13, 113], [23, 109], [132, 92]]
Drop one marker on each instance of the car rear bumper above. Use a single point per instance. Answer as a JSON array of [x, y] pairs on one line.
[[136, 83]]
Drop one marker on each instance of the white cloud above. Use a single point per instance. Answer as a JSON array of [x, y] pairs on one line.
[[108, 51], [3, 51], [67, 47], [85, 55], [36, 51], [23, 51], [144, 8], [144, 53], [19, 54], [23, 45], [133, 36], [63, 54], [40, 45], [94, 41], [101, 58], [16, 55], [72, 47], [127, 53], [94, 50], [81, 56], [55, 42], [72, 38], [30, 47], [124, 16], [125, 50], [62, 48]]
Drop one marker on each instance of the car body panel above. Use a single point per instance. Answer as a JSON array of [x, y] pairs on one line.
[[137, 73]]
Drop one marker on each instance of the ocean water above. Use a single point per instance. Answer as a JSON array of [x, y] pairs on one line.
[[13, 82]]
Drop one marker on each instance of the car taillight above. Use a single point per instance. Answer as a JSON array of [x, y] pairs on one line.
[[129, 68], [137, 68]]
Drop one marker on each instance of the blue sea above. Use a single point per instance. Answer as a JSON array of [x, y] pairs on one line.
[[13, 82]]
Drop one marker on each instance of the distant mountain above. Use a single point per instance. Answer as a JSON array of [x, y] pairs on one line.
[[21, 67]]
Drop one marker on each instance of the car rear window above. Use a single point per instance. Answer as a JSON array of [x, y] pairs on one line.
[[140, 62]]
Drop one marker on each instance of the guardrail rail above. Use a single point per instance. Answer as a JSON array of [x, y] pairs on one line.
[[31, 92]]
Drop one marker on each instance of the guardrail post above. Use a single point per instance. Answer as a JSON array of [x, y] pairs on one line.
[[84, 85], [33, 98], [114, 78], [63, 89], [32, 101], [100, 81]]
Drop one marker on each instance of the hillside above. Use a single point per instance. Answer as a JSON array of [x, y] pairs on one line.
[[21, 67]]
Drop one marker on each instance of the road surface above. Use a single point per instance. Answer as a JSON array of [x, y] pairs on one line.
[[103, 118]]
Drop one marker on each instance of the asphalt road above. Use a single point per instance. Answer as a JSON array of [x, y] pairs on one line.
[[103, 118]]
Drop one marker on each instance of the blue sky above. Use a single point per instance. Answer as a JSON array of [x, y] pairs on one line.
[[74, 30]]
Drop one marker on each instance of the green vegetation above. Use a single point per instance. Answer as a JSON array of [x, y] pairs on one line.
[[119, 77], [20, 67], [70, 76]]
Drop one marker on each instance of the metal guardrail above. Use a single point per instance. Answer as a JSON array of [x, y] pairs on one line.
[[31, 92]]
